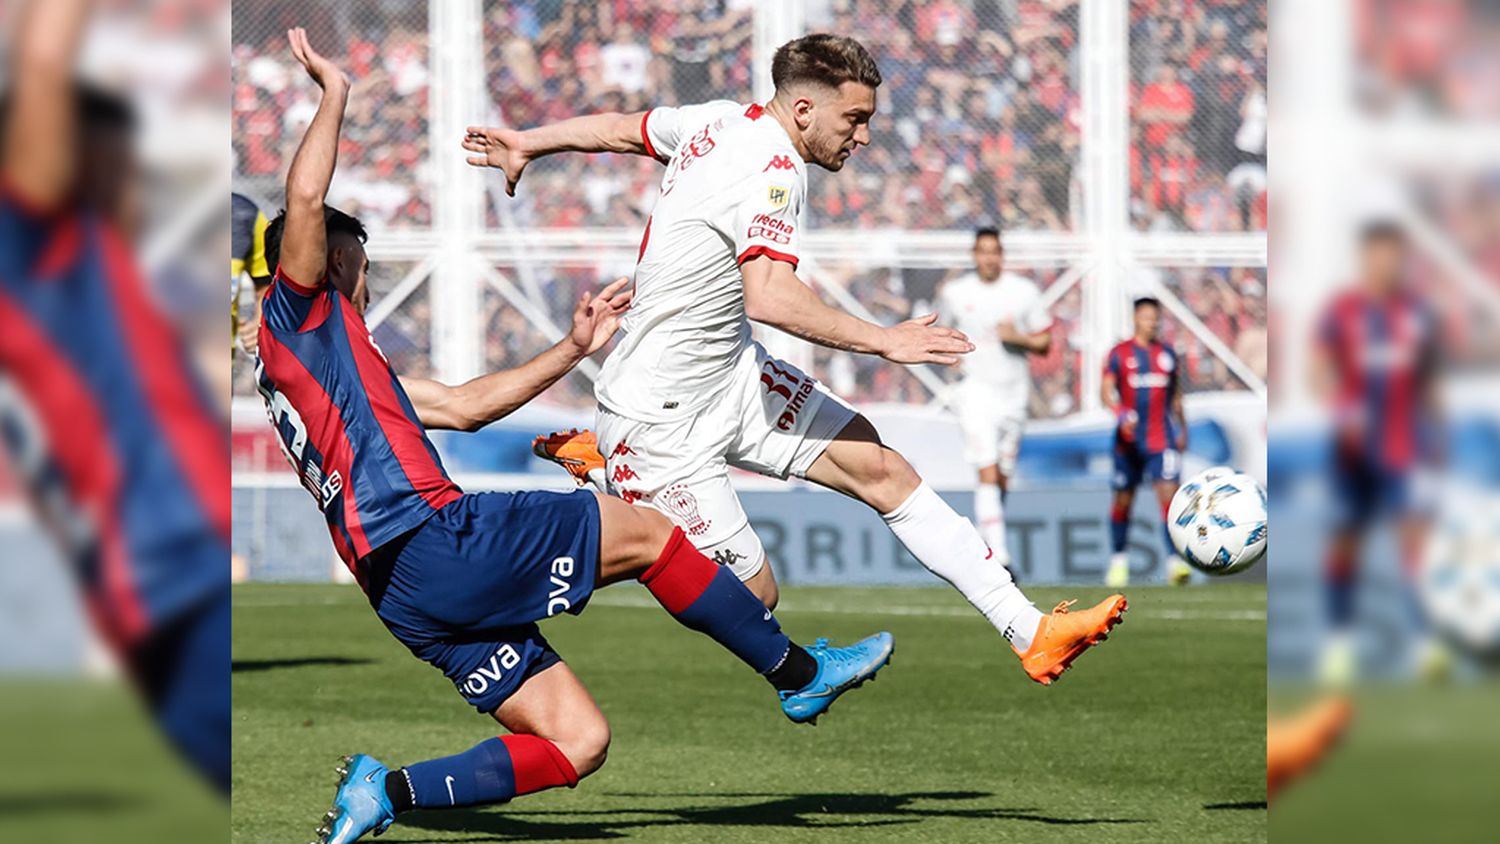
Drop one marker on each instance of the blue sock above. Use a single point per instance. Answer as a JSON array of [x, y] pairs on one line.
[[707, 597], [1338, 588], [1166, 540], [1119, 526], [492, 771]]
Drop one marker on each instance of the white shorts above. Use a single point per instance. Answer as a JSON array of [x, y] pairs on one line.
[[991, 428], [771, 418]]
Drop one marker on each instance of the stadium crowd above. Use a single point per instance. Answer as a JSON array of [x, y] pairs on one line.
[[384, 152]]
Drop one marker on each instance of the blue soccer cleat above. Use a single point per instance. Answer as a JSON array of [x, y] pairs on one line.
[[360, 804], [839, 670]]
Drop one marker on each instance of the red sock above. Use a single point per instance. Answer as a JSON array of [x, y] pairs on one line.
[[679, 575], [537, 764]]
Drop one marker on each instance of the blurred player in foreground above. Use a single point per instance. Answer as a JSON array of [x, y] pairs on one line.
[[248, 258], [460, 579], [687, 393], [1002, 313], [1375, 363], [1142, 388], [110, 432]]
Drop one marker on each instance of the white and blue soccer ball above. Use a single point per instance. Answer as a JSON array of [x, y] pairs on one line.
[[1217, 521], [1459, 578]]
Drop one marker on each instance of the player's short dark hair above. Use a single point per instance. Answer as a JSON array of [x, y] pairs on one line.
[[333, 219], [1382, 231], [95, 109], [823, 59], [988, 231], [1143, 301]]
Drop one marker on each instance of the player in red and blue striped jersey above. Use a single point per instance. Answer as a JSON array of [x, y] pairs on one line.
[[462, 579], [1142, 386], [1376, 357], [111, 435]]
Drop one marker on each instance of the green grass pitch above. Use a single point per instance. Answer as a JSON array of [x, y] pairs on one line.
[[1157, 735]]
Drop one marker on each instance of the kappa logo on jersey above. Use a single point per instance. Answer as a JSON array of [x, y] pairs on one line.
[[621, 450], [777, 196], [683, 504], [623, 473], [780, 162], [477, 683]]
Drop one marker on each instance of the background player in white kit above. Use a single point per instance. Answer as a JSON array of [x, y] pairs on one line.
[[1003, 316], [687, 392]]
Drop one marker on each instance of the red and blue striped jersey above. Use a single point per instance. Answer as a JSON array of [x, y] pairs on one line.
[[1146, 379], [344, 420], [1383, 355], [107, 427]]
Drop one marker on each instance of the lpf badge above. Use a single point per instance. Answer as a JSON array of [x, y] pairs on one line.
[[777, 196]]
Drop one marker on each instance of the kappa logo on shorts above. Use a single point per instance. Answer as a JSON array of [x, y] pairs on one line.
[[477, 683], [682, 504], [726, 557]]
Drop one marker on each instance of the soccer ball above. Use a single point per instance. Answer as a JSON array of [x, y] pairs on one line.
[[1459, 578], [1217, 521]]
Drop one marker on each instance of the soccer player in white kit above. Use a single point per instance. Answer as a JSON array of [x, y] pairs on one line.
[[1002, 314], [687, 393]]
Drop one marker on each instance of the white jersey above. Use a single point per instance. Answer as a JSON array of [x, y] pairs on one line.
[[733, 190], [977, 308]]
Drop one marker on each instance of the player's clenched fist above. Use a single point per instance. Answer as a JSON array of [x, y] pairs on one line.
[[920, 341], [498, 148], [324, 72]]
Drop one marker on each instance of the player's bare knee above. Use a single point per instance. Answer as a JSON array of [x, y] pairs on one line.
[[891, 481], [586, 745]]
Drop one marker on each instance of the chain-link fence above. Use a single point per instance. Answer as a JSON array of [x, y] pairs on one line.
[[1199, 115], [384, 152], [978, 117], [546, 62]]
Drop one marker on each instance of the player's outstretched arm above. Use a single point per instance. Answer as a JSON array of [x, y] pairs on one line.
[[511, 150], [775, 296], [476, 403], [40, 127], [304, 245]]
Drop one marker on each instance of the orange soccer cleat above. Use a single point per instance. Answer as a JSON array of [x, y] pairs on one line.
[[1063, 635], [1298, 743], [574, 450]]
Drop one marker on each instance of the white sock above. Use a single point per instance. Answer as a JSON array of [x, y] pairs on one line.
[[990, 515], [949, 546]]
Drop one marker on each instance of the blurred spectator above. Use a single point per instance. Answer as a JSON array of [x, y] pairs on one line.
[[1199, 114]]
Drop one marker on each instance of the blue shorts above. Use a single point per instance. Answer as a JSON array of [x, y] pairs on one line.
[[1131, 466], [183, 670], [1363, 490], [464, 591]]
